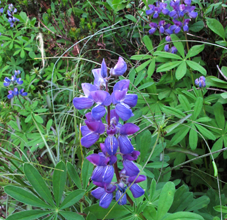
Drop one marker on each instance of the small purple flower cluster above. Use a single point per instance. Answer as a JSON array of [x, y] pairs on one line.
[[1, 9], [13, 81], [179, 12], [117, 141], [201, 81]]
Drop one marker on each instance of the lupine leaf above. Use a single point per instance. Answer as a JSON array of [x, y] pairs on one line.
[[71, 215], [74, 175], [195, 66], [148, 43], [59, 180], [216, 27], [28, 215], [195, 50], [183, 216], [178, 44], [25, 197], [168, 66], [181, 70]]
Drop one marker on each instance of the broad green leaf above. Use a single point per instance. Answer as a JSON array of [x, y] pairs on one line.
[[197, 108], [183, 216], [130, 17], [72, 198], [150, 213], [28, 215], [26, 197], [199, 203], [193, 138], [195, 50], [167, 55], [168, 66], [38, 119], [59, 181], [166, 199], [218, 208], [216, 27], [38, 183], [179, 135], [206, 133], [218, 145], [87, 170], [74, 175], [157, 165], [197, 26], [219, 115], [151, 68], [181, 70], [148, 43], [117, 212], [178, 44], [145, 144], [173, 112], [71, 215], [49, 124], [196, 66]]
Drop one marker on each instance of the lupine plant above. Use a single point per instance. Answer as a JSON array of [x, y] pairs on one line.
[[117, 141]]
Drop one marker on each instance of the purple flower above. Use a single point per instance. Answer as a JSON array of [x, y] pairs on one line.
[[153, 27], [173, 50], [99, 81], [176, 27], [7, 81], [17, 72], [104, 194], [201, 81], [1, 10], [136, 190], [19, 81], [91, 132], [22, 93], [120, 68], [103, 174], [163, 6], [185, 27], [187, 2], [161, 26], [130, 168], [132, 156], [166, 47], [111, 144], [120, 191], [103, 69], [168, 38], [151, 10], [124, 142], [11, 94], [123, 101]]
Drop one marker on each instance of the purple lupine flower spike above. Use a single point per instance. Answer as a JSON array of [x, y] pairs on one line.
[[120, 191], [201, 81], [19, 81], [153, 27], [120, 68], [11, 94], [99, 81]]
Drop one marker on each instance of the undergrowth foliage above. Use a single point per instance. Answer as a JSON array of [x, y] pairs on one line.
[[146, 140]]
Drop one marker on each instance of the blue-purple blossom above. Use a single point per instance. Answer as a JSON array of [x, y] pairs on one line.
[[121, 191], [166, 47], [201, 81], [10, 12], [173, 50], [120, 68], [153, 27], [185, 25]]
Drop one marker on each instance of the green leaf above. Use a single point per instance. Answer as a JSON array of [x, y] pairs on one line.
[[157, 164], [197, 26], [26, 197], [219, 115], [166, 199], [168, 66], [195, 50], [173, 111], [167, 55], [179, 135], [196, 66], [38, 183], [59, 180], [142, 66], [199, 203], [141, 57], [72, 198], [87, 170], [130, 17], [28, 215], [148, 43], [218, 208], [152, 189], [117, 212], [216, 27], [217, 146], [74, 175], [71, 215], [38, 119], [178, 44], [151, 68], [206, 133], [183, 216], [181, 70], [184, 102], [139, 77], [193, 138], [197, 108], [145, 85]]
